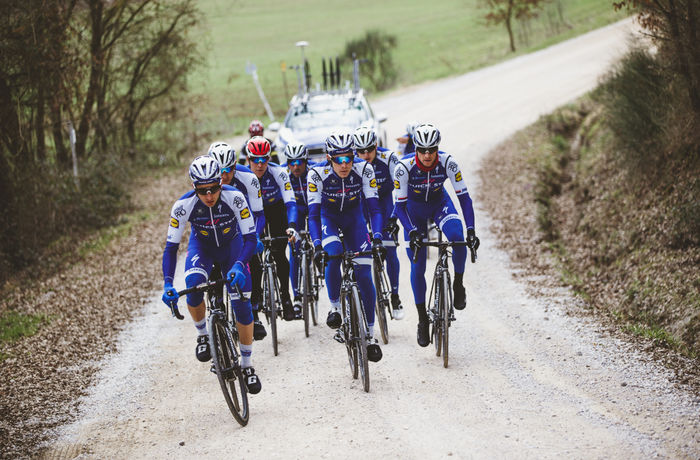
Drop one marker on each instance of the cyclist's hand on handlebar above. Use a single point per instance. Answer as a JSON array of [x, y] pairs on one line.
[[292, 234], [378, 248], [237, 276], [259, 246], [320, 257], [391, 227], [472, 240], [415, 239], [170, 295]]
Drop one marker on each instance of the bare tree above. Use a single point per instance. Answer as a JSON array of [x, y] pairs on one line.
[[505, 11]]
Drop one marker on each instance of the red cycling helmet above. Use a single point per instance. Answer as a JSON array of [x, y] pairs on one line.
[[256, 128], [258, 146]]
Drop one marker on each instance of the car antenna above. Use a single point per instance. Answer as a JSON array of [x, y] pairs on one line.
[[325, 75], [337, 72]]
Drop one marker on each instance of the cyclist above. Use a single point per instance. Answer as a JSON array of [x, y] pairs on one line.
[[298, 167], [256, 128], [420, 196], [244, 180], [405, 145], [223, 230], [383, 161], [280, 214], [335, 192]]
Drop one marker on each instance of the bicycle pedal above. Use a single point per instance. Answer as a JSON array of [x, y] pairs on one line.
[[453, 317], [212, 369], [338, 337]]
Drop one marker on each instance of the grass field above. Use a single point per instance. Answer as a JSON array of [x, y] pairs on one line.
[[435, 39]]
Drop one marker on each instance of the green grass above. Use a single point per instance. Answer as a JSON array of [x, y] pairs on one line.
[[435, 40], [14, 325], [101, 238]]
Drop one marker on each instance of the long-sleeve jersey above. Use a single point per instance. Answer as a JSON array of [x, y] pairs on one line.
[[329, 193], [426, 185], [248, 183], [276, 186], [299, 189], [214, 227]]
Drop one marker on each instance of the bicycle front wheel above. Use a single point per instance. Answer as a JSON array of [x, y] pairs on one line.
[[382, 301], [313, 290], [346, 329], [228, 371], [271, 305], [359, 328], [305, 292], [445, 317]]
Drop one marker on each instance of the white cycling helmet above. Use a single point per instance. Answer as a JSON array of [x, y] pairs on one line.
[[364, 138], [339, 142], [426, 136], [223, 153], [411, 128], [296, 151], [205, 170]]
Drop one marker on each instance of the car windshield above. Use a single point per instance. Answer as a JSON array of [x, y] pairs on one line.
[[326, 113]]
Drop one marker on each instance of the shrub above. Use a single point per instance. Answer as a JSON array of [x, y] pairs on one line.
[[375, 48]]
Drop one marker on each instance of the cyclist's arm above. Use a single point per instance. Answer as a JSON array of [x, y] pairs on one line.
[[290, 201], [237, 202], [314, 191], [369, 189], [254, 193], [393, 162], [460, 188], [179, 214], [401, 189]]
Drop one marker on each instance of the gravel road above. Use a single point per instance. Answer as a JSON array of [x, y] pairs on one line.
[[525, 380]]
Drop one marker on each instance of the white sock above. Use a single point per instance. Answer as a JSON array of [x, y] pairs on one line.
[[371, 331], [335, 305], [201, 326], [246, 355]]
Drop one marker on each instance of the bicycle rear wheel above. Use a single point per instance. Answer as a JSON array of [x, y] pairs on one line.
[[445, 317], [359, 329], [306, 292], [271, 305], [382, 302], [346, 329], [313, 290], [228, 371]]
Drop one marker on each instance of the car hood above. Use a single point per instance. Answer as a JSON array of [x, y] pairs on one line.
[[312, 138]]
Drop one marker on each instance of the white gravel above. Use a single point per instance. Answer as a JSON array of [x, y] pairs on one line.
[[525, 379]]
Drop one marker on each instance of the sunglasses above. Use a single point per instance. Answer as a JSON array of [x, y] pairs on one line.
[[259, 160], [206, 190], [342, 159], [226, 170], [363, 151], [296, 162], [430, 150]]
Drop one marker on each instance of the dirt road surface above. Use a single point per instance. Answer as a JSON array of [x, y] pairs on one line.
[[525, 379]]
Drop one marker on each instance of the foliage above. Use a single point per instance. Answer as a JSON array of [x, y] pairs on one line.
[[375, 51], [116, 71], [14, 325], [506, 11]]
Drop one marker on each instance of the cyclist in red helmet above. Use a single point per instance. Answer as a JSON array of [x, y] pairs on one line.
[[256, 128]]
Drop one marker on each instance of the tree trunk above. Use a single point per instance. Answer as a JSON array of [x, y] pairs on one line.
[[96, 69], [39, 124], [509, 25]]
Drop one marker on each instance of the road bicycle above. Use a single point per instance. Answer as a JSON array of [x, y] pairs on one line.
[[383, 290], [223, 340], [353, 331], [441, 307], [309, 282], [271, 303]]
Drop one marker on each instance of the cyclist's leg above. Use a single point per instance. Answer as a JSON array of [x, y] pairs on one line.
[[451, 226], [332, 245], [392, 260], [276, 217], [198, 264], [356, 239], [419, 214]]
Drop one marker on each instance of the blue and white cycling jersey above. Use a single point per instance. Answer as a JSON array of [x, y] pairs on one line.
[[330, 194], [384, 164], [418, 184], [299, 189], [248, 183], [276, 187], [212, 228]]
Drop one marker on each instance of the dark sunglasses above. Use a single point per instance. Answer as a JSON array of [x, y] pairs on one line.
[[259, 160], [363, 151], [205, 190], [296, 162], [226, 170], [342, 159], [430, 150]]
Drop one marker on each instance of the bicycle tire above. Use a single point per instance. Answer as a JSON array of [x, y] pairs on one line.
[[382, 307], [305, 295], [271, 307], [228, 371], [314, 288], [445, 318], [346, 308], [436, 335], [360, 337]]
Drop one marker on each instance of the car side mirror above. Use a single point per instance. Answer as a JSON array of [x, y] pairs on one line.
[[381, 117], [274, 126]]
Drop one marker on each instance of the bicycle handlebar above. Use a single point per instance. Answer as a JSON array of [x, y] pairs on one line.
[[443, 244]]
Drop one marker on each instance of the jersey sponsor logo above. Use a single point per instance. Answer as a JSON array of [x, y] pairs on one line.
[[373, 183], [399, 172], [458, 177], [367, 172], [397, 185], [453, 166], [259, 193], [325, 171], [287, 186], [174, 223], [179, 211], [312, 187], [226, 230], [283, 176], [245, 213], [238, 201], [383, 156], [204, 232]]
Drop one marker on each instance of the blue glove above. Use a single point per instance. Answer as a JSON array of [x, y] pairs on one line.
[[260, 247], [169, 295], [236, 276]]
